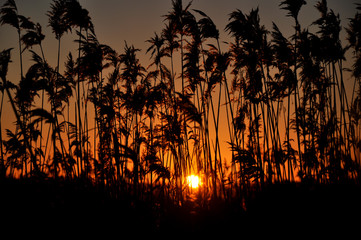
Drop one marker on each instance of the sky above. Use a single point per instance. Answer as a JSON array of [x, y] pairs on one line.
[[135, 21]]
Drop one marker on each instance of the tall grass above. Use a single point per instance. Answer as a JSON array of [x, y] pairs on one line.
[[287, 112]]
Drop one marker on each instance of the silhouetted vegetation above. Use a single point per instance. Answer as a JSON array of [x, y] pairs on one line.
[[103, 130]]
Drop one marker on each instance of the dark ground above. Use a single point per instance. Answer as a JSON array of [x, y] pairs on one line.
[[77, 207]]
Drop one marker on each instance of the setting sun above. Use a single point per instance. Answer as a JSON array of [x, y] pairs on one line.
[[193, 181]]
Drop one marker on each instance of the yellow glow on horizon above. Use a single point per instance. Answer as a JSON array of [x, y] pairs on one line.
[[193, 181]]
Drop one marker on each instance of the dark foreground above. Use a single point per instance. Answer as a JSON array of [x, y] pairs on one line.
[[39, 207]]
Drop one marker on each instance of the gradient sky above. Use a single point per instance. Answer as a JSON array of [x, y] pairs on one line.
[[135, 21]]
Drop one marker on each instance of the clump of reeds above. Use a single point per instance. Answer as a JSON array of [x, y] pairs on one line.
[[130, 128]]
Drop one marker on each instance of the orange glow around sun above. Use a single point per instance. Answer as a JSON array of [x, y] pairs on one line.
[[193, 181]]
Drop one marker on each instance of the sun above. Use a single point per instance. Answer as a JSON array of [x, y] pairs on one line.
[[193, 181]]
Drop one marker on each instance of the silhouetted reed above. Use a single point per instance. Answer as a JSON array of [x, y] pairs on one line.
[[282, 100]]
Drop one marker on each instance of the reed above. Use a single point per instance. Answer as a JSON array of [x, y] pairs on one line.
[[146, 132]]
